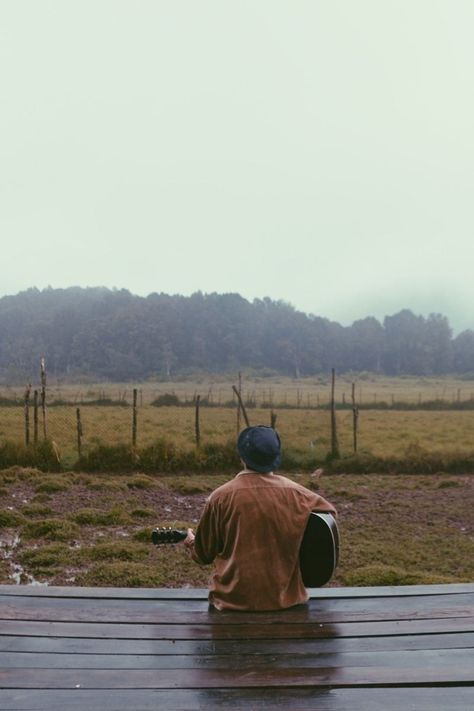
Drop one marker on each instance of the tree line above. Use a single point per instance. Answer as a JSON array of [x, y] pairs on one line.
[[113, 334]]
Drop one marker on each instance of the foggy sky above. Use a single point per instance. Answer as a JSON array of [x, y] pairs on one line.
[[319, 152]]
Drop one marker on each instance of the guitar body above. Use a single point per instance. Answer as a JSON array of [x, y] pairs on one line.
[[319, 552]]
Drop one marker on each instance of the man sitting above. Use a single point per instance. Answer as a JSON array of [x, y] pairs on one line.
[[252, 528]]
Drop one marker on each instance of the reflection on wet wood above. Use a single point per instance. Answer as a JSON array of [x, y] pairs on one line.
[[348, 648]]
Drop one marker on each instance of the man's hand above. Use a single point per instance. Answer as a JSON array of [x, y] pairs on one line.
[[189, 540]]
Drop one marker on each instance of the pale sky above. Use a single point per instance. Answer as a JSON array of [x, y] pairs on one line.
[[317, 151]]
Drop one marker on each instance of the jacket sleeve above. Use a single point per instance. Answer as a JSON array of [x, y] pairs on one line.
[[207, 543]]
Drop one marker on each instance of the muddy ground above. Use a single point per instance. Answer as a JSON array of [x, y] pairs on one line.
[[84, 529]]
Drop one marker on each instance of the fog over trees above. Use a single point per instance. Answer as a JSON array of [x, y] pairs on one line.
[[113, 334]]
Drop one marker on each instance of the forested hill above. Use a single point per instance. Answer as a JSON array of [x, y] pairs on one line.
[[117, 335]]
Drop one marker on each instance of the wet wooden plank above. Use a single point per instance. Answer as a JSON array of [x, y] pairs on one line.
[[460, 673], [83, 646], [326, 611], [297, 699], [238, 662], [241, 632], [389, 650], [201, 593]]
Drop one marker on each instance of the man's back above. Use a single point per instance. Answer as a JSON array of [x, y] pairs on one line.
[[252, 529]]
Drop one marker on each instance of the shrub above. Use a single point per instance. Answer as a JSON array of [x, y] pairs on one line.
[[160, 456], [108, 458], [212, 457], [292, 460], [166, 400], [43, 456]]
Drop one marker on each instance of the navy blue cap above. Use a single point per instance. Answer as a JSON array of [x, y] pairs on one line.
[[260, 448]]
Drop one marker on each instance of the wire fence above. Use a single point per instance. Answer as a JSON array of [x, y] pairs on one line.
[[315, 418], [77, 429]]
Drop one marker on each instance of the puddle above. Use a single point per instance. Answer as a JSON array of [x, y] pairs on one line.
[[18, 575]]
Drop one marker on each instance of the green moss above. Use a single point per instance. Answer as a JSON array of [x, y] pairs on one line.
[[28, 473], [51, 529], [123, 550], [190, 485], [52, 485], [448, 484], [121, 574], [144, 513], [141, 481], [41, 498], [5, 571], [96, 517], [35, 510], [379, 574], [47, 556], [170, 568], [10, 519]]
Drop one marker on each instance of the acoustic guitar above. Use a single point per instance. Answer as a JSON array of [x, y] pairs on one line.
[[319, 552]]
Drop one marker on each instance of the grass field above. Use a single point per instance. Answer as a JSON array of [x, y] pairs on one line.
[[305, 432], [279, 389], [383, 433], [94, 529], [77, 529]]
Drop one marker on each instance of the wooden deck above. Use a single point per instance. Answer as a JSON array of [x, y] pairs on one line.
[[360, 649]]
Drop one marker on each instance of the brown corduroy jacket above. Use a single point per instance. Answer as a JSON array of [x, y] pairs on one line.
[[251, 529]]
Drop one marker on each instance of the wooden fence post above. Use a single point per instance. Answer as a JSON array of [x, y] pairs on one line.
[[239, 399], [273, 419], [35, 417], [335, 454], [197, 428], [79, 432], [355, 418], [134, 419], [27, 414], [43, 397]]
